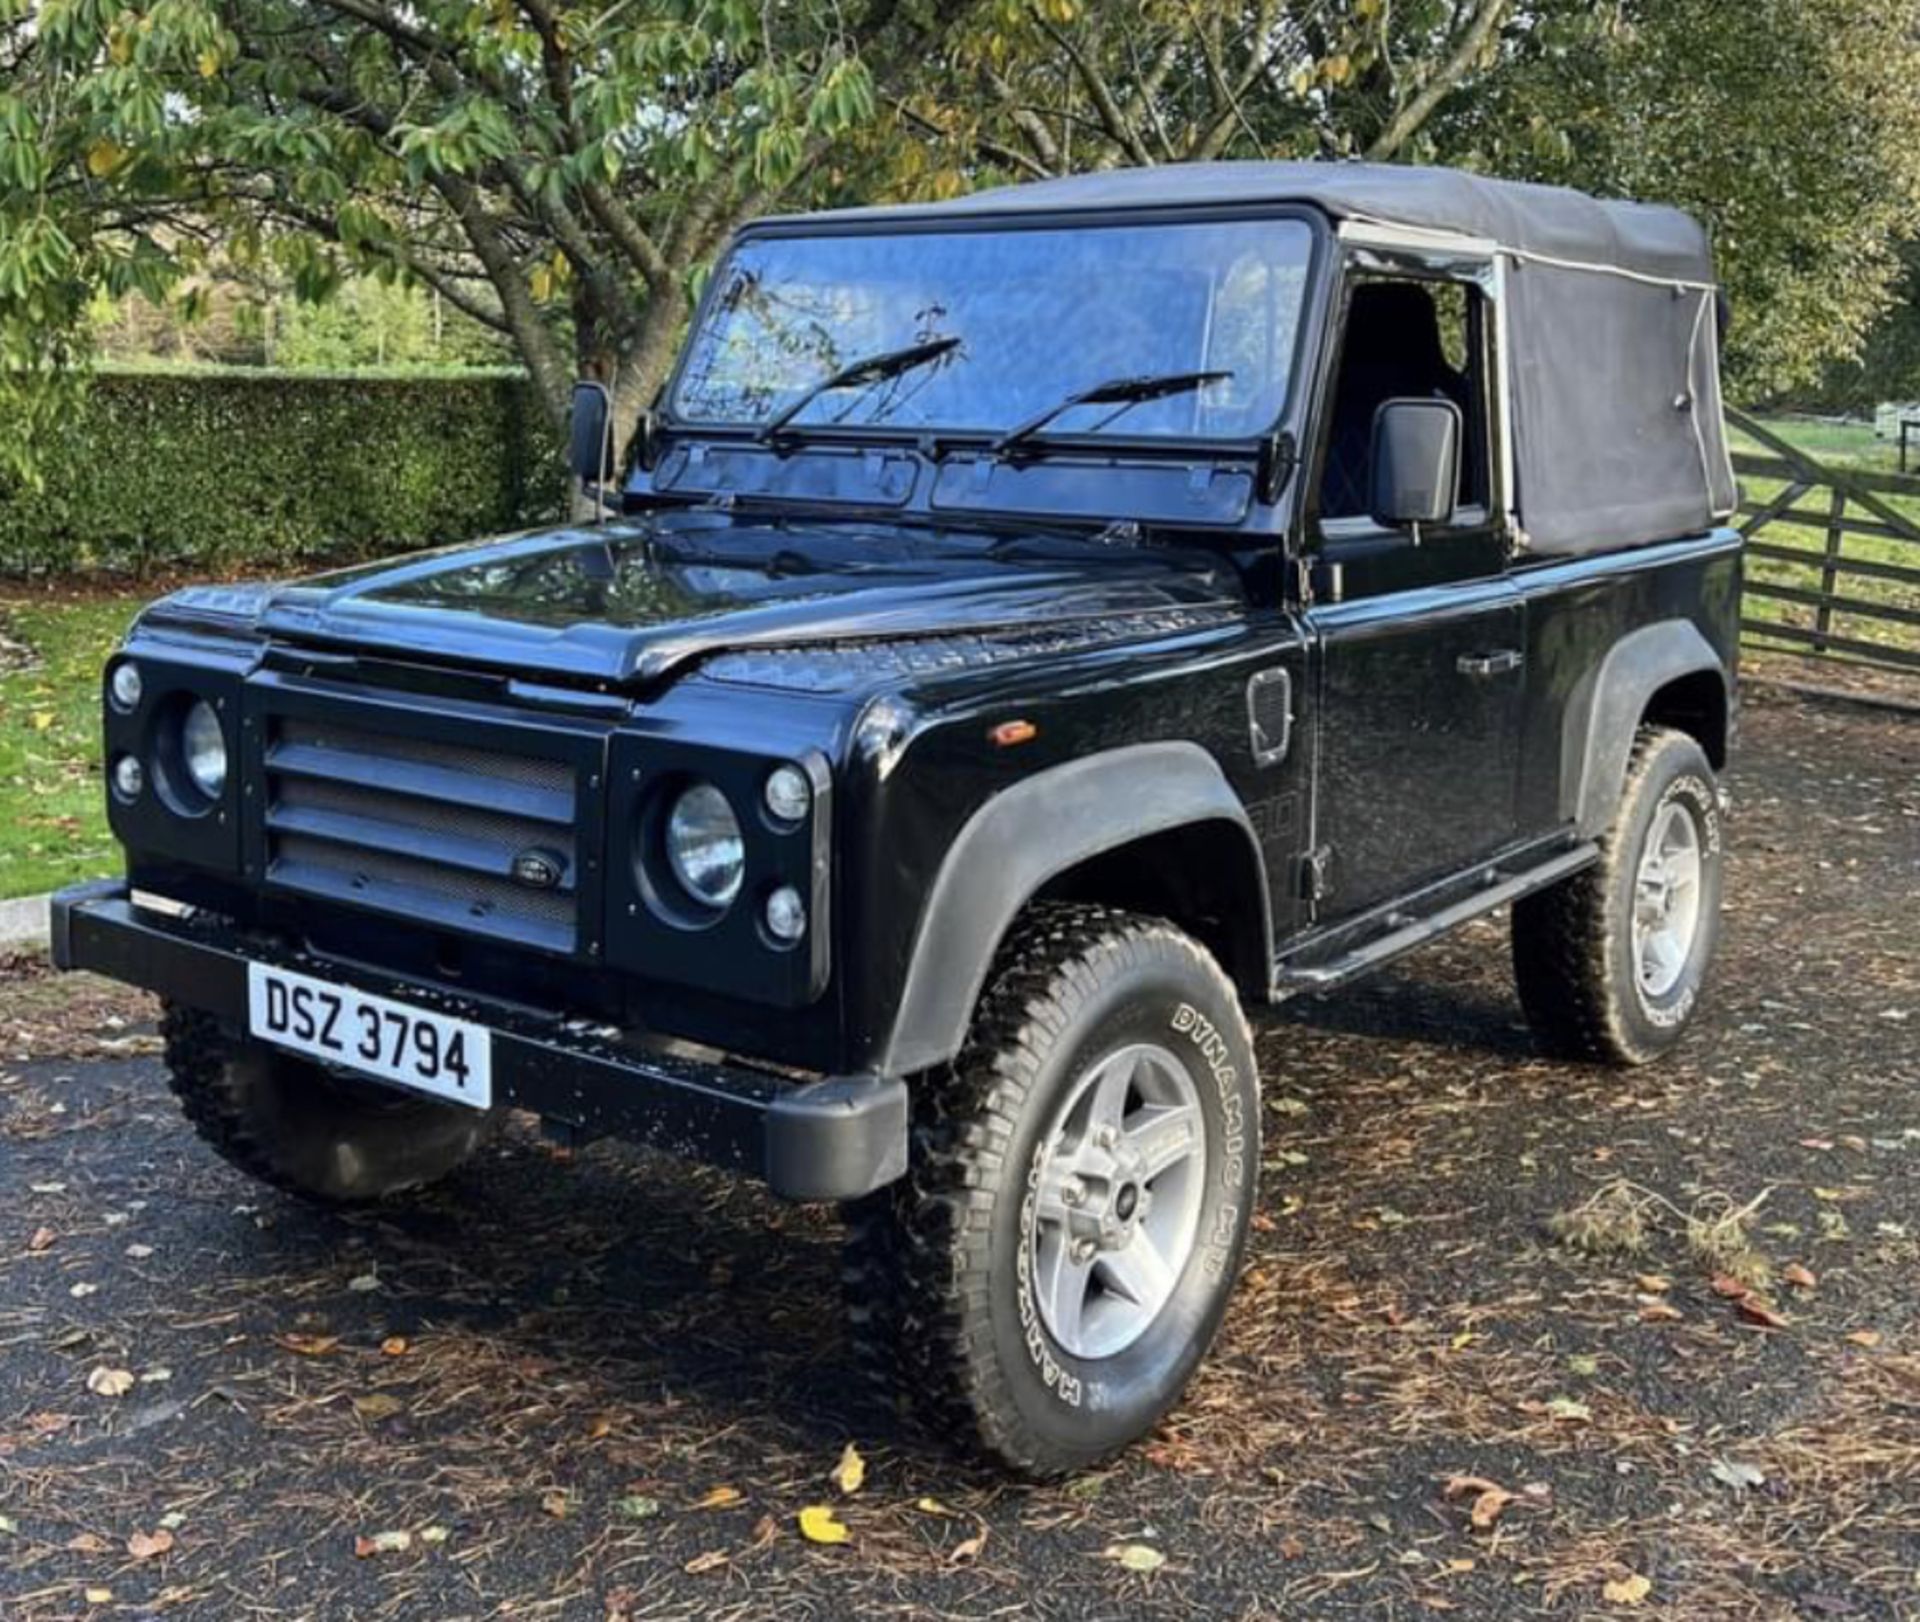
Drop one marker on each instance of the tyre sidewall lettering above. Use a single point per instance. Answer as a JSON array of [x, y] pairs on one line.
[[1698, 795], [1222, 1067]]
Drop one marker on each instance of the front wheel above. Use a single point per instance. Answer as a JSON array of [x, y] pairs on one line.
[[1610, 962], [1044, 1282], [306, 1128]]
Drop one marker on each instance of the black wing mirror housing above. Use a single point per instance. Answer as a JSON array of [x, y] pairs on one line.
[[590, 433], [1416, 462]]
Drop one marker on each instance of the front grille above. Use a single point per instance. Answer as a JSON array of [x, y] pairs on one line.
[[424, 830]]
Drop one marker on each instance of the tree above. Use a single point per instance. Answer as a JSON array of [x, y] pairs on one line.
[[1792, 127], [565, 170], [558, 171]]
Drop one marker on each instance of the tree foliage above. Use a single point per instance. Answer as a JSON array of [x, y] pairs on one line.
[[565, 170]]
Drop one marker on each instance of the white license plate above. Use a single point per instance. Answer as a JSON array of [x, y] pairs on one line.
[[450, 1058]]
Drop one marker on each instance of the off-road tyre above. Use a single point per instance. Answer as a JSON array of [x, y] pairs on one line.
[[1573, 953], [940, 1312], [305, 1129]]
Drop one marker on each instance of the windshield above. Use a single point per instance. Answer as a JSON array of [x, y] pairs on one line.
[[1039, 314]]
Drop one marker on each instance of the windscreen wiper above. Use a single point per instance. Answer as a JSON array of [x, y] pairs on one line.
[[868, 369], [1120, 391]]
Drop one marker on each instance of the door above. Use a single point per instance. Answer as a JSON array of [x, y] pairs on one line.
[[1419, 636]]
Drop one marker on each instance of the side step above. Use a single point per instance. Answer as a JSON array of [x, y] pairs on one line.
[[1290, 981]]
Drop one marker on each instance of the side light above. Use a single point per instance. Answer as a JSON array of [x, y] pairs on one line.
[[129, 777], [785, 915], [125, 686], [788, 794]]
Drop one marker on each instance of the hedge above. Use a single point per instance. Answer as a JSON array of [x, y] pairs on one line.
[[223, 470]]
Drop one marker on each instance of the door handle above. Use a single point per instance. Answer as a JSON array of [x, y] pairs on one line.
[[1489, 664]]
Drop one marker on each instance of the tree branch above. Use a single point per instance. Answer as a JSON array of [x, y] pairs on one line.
[[1410, 116]]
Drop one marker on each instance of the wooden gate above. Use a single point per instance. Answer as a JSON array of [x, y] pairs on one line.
[[1833, 555]]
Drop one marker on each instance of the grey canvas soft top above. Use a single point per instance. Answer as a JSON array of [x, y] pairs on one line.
[[1609, 347], [1550, 222]]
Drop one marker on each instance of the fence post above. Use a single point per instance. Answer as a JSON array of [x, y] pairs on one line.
[[1830, 569]]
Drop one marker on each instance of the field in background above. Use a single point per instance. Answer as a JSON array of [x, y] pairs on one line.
[[52, 826], [1866, 571]]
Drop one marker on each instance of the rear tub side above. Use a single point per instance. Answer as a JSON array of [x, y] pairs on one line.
[[1614, 639]]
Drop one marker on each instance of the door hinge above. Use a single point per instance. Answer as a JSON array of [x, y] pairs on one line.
[[1316, 874]]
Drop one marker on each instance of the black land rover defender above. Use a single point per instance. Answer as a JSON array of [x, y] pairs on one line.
[[1031, 630]]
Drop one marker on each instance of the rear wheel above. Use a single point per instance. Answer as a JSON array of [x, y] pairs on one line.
[[303, 1127], [1611, 962], [1044, 1281]]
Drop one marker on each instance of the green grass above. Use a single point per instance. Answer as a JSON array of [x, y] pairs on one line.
[[53, 826], [1847, 446]]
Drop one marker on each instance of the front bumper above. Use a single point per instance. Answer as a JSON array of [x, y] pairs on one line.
[[833, 1139]]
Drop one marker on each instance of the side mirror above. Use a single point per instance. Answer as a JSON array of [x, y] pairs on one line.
[[590, 434], [1415, 463]]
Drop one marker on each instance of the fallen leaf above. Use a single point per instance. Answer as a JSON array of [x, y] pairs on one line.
[[1486, 1510], [931, 1506], [1660, 1312], [719, 1498], [705, 1562], [139, 1253], [1794, 1273], [99, 1596], [1654, 1283], [365, 1284], [42, 1239], [600, 1429], [88, 1543], [1569, 1408], [435, 1534], [638, 1506], [818, 1524], [851, 1472], [556, 1504], [1141, 1557], [377, 1405], [82, 1290], [1729, 1286], [1733, 1473], [382, 1543], [395, 1346], [105, 1382], [9, 1527], [1627, 1590], [1756, 1310], [146, 1546], [309, 1345], [1868, 1338], [968, 1548], [1291, 1548], [173, 1520]]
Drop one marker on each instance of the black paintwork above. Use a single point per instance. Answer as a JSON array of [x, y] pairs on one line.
[[875, 611]]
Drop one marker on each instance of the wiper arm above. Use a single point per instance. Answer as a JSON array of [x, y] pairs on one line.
[[1120, 391], [868, 369]]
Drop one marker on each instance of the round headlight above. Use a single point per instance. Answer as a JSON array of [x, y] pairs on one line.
[[786, 915], [125, 686], [129, 777], [704, 846], [203, 749], [788, 793]]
